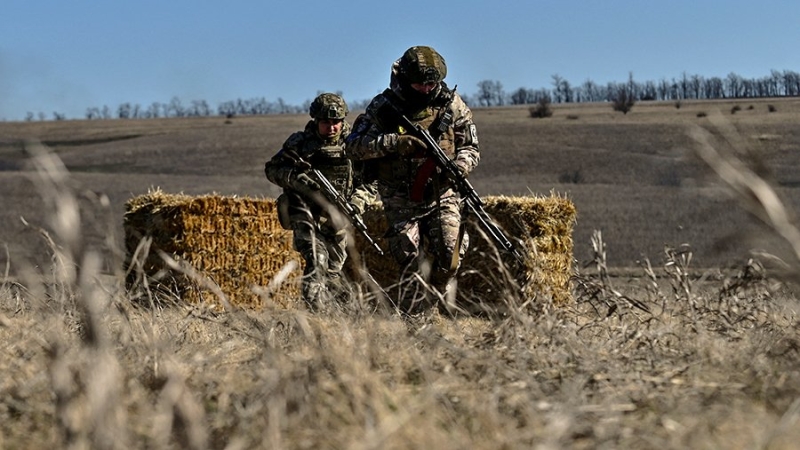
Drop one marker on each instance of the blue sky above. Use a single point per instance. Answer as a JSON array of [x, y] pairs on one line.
[[67, 56]]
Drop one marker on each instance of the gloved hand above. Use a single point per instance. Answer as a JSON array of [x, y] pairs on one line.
[[463, 167], [304, 184], [409, 145], [302, 166], [359, 205]]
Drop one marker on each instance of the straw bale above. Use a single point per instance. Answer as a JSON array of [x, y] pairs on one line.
[[238, 243], [542, 224], [234, 242]]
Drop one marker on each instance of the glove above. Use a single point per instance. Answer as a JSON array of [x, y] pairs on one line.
[[463, 167], [304, 184], [302, 166], [359, 205], [409, 145]]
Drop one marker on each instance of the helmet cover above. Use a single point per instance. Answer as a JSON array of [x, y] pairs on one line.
[[421, 64], [328, 106]]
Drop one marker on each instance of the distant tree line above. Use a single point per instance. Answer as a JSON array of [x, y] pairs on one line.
[[196, 108], [490, 93], [686, 87]]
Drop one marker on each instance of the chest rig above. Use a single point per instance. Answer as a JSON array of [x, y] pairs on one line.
[[410, 174], [331, 161]]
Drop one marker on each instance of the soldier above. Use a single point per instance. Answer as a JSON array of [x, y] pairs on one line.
[[319, 233], [425, 234]]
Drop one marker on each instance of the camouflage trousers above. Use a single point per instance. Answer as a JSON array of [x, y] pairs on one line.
[[422, 240], [324, 251]]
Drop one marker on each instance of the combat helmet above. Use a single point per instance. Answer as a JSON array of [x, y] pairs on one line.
[[328, 106], [421, 64]]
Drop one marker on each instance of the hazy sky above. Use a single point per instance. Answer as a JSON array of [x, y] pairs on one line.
[[66, 56]]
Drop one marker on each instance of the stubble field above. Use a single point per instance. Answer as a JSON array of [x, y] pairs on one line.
[[643, 359]]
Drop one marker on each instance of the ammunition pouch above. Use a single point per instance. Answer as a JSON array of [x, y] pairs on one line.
[[282, 205]]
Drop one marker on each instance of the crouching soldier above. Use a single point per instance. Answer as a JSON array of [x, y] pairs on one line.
[[319, 233]]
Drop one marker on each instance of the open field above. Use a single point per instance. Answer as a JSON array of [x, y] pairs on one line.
[[657, 360], [634, 176]]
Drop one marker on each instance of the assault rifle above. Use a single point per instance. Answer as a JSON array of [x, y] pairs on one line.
[[463, 186], [333, 196]]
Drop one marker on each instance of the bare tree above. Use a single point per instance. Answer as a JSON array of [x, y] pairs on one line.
[[175, 108], [696, 85], [683, 84], [713, 88], [227, 109], [566, 91], [92, 113], [198, 108], [663, 89], [633, 87], [499, 94], [590, 91], [733, 85], [522, 96], [791, 82], [562, 90], [649, 91], [490, 93], [124, 111], [154, 110]]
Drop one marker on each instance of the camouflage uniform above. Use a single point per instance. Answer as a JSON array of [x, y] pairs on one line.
[[319, 237], [421, 205]]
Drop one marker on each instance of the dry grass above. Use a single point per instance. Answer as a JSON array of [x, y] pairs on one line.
[[653, 362]]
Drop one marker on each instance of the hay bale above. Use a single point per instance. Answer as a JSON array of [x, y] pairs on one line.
[[542, 224], [235, 242], [238, 243]]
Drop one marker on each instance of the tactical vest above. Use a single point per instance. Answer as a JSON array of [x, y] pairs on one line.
[[332, 163], [330, 160], [399, 173]]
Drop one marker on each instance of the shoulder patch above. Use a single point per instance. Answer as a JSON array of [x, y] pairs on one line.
[[473, 133], [360, 126]]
